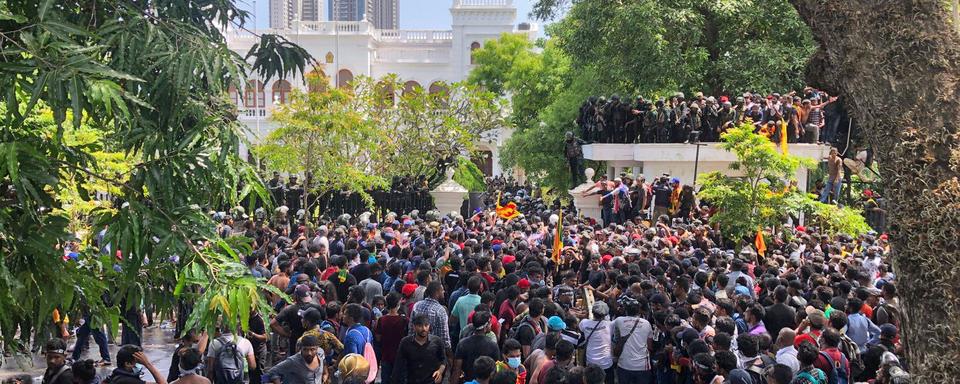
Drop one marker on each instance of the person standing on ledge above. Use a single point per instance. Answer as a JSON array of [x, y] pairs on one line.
[[574, 153]]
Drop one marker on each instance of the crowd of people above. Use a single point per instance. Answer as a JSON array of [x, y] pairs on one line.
[[541, 299], [809, 117]]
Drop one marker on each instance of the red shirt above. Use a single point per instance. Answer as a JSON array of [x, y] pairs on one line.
[[391, 329]]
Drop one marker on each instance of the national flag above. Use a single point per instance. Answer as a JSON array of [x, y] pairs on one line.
[[508, 211], [758, 242], [557, 239]]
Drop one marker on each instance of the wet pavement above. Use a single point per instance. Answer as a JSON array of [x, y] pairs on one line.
[[158, 344]]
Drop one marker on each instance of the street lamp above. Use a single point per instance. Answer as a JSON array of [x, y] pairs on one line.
[[695, 140]]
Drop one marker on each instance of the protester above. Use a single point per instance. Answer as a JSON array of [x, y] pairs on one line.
[[304, 367], [421, 357], [57, 372], [131, 362]]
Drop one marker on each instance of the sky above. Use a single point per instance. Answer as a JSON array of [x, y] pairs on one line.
[[414, 14]]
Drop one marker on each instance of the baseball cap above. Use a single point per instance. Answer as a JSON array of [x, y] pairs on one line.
[[600, 308], [816, 316], [523, 283], [302, 292], [888, 331], [555, 323]]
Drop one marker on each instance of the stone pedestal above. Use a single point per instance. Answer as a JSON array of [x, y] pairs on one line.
[[448, 196], [588, 206]]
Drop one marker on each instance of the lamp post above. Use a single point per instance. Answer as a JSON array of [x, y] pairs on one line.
[[695, 140]]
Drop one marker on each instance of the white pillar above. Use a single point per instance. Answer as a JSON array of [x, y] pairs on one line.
[[448, 196], [588, 206]]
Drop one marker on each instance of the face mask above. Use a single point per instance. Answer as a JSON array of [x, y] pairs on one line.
[[138, 369], [513, 362]]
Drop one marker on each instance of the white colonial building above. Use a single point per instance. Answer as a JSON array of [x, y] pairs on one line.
[[422, 58]]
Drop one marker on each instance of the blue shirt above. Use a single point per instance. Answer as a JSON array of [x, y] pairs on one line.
[[860, 329], [356, 339]]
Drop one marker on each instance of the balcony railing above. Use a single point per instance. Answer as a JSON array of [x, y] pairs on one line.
[[390, 35], [482, 3]]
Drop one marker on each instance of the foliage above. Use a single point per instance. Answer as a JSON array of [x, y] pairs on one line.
[[391, 133], [469, 175], [763, 195], [834, 220], [324, 134], [654, 47], [152, 79], [540, 90]]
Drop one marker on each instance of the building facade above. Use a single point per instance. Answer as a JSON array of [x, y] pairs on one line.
[[422, 58], [284, 12], [384, 14]]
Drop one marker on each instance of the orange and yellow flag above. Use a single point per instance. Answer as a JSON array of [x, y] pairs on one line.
[[758, 242], [508, 211], [557, 239], [783, 137]]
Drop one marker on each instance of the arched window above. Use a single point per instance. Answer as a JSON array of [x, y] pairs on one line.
[[253, 95], [329, 58], [317, 81], [281, 90], [411, 86], [473, 47], [344, 77], [437, 87]]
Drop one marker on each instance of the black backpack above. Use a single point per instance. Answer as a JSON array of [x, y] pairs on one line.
[[228, 369]]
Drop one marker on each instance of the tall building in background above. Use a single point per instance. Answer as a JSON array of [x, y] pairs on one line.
[[347, 10], [384, 14], [312, 10], [284, 12]]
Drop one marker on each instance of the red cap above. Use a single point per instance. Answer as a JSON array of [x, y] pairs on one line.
[[605, 259], [496, 241], [507, 259], [801, 228], [769, 97], [523, 283], [408, 289], [724, 99]]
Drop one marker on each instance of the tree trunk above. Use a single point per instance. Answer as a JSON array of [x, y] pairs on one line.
[[898, 63]]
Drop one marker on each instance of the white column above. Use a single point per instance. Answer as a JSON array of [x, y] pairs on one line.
[[588, 206], [448, 196]]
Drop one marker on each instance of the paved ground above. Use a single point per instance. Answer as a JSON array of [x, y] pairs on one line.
[[158, 344]]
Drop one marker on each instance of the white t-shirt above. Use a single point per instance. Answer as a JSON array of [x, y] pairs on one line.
[[243, 346], [635, 355], [599, 345]]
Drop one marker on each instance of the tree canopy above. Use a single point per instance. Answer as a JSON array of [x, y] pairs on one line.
[[357, 138], [152, 78], [642, 47]]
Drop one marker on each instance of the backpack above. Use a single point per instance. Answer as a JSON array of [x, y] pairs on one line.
[[850, 348], [228, 369], [838, 369], [810, 378], [514, 330], [756, 371], [371, 356], [886, 313]]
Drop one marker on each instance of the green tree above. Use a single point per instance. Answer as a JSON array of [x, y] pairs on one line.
[[389, 133], [324, 134], [655, 47], [533, 82], [763, 195], [153, 75]]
